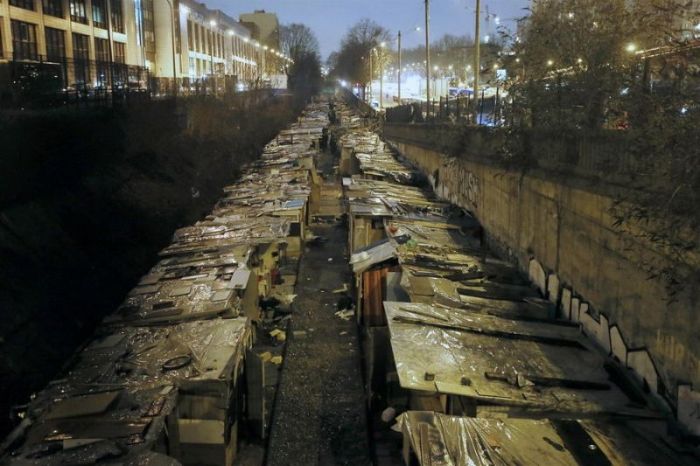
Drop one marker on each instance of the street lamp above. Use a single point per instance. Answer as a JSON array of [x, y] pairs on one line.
[[477, 53], [212, 23], [172, 44], [371, 75], [427, 51]]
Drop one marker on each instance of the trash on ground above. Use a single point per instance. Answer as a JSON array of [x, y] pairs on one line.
[[279, 335], [342, 289], [345, 315]]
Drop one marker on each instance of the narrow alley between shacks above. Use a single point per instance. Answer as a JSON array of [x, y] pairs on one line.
[[340, 306], [318, 416]]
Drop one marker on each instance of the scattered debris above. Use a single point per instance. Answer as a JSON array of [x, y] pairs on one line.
[[342, 289], [345, 315], [345, 302], [279, 335], [388, 415], [276, 360]]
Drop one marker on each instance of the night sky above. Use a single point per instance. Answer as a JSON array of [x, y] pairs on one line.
[[330, 19]]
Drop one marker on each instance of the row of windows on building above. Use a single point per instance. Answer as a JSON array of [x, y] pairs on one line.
[[25, 45], [203, 40], [209, 42], [78, 11]]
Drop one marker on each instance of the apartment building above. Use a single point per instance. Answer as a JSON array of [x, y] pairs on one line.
[[87, 46], [265, 27], [211, 45], [75, 44]]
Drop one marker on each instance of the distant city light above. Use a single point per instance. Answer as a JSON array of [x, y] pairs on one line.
[[550, 62]]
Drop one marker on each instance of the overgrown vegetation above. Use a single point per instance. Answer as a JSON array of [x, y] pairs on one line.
[[300, 43], [87, 198], [362, 43], [582, 67]]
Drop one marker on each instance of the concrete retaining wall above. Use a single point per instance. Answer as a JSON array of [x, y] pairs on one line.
[[561, 234]]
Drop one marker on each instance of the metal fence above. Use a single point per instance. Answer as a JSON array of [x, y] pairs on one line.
[[485, 110], [42, 82], [46, 81]]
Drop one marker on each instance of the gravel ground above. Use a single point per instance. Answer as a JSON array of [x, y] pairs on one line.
[[320, 416]]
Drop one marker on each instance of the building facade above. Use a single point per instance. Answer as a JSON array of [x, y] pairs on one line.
[[73, 45], [265, 27], [86, 47]]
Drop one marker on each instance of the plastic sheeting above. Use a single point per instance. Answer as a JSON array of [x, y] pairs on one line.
[[128, 428], [372, 255], [499, 361], [142, 368], [137, 356], [380, 198], [375, 158], [440, 440]]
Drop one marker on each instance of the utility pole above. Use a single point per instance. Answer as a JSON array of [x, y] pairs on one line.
[[477, 51], [110, 43], [371, 75], [399, 67], [427, 51], [172, 44], [381, 78]]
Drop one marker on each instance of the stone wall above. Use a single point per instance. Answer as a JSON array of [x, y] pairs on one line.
[[558, 228]]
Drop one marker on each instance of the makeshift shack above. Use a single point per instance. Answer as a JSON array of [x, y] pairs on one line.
[[433, 439], [459, 362], [172, 389]]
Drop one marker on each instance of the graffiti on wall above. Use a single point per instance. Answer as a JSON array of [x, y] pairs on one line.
[[453, 174], [611, 340]]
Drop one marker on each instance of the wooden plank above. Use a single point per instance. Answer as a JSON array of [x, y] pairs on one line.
[[255, 378], [82, 405]]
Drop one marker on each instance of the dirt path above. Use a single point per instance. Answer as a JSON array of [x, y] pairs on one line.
[[319, 417]]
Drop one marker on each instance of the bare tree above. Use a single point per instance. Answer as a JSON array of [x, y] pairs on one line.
[[352, 61], [298, 39], [628, 72], [301, 45]]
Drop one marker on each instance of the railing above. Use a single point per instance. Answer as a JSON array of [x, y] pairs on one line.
[[486, 110], [40, 81], [602, 155], [47, 81]]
